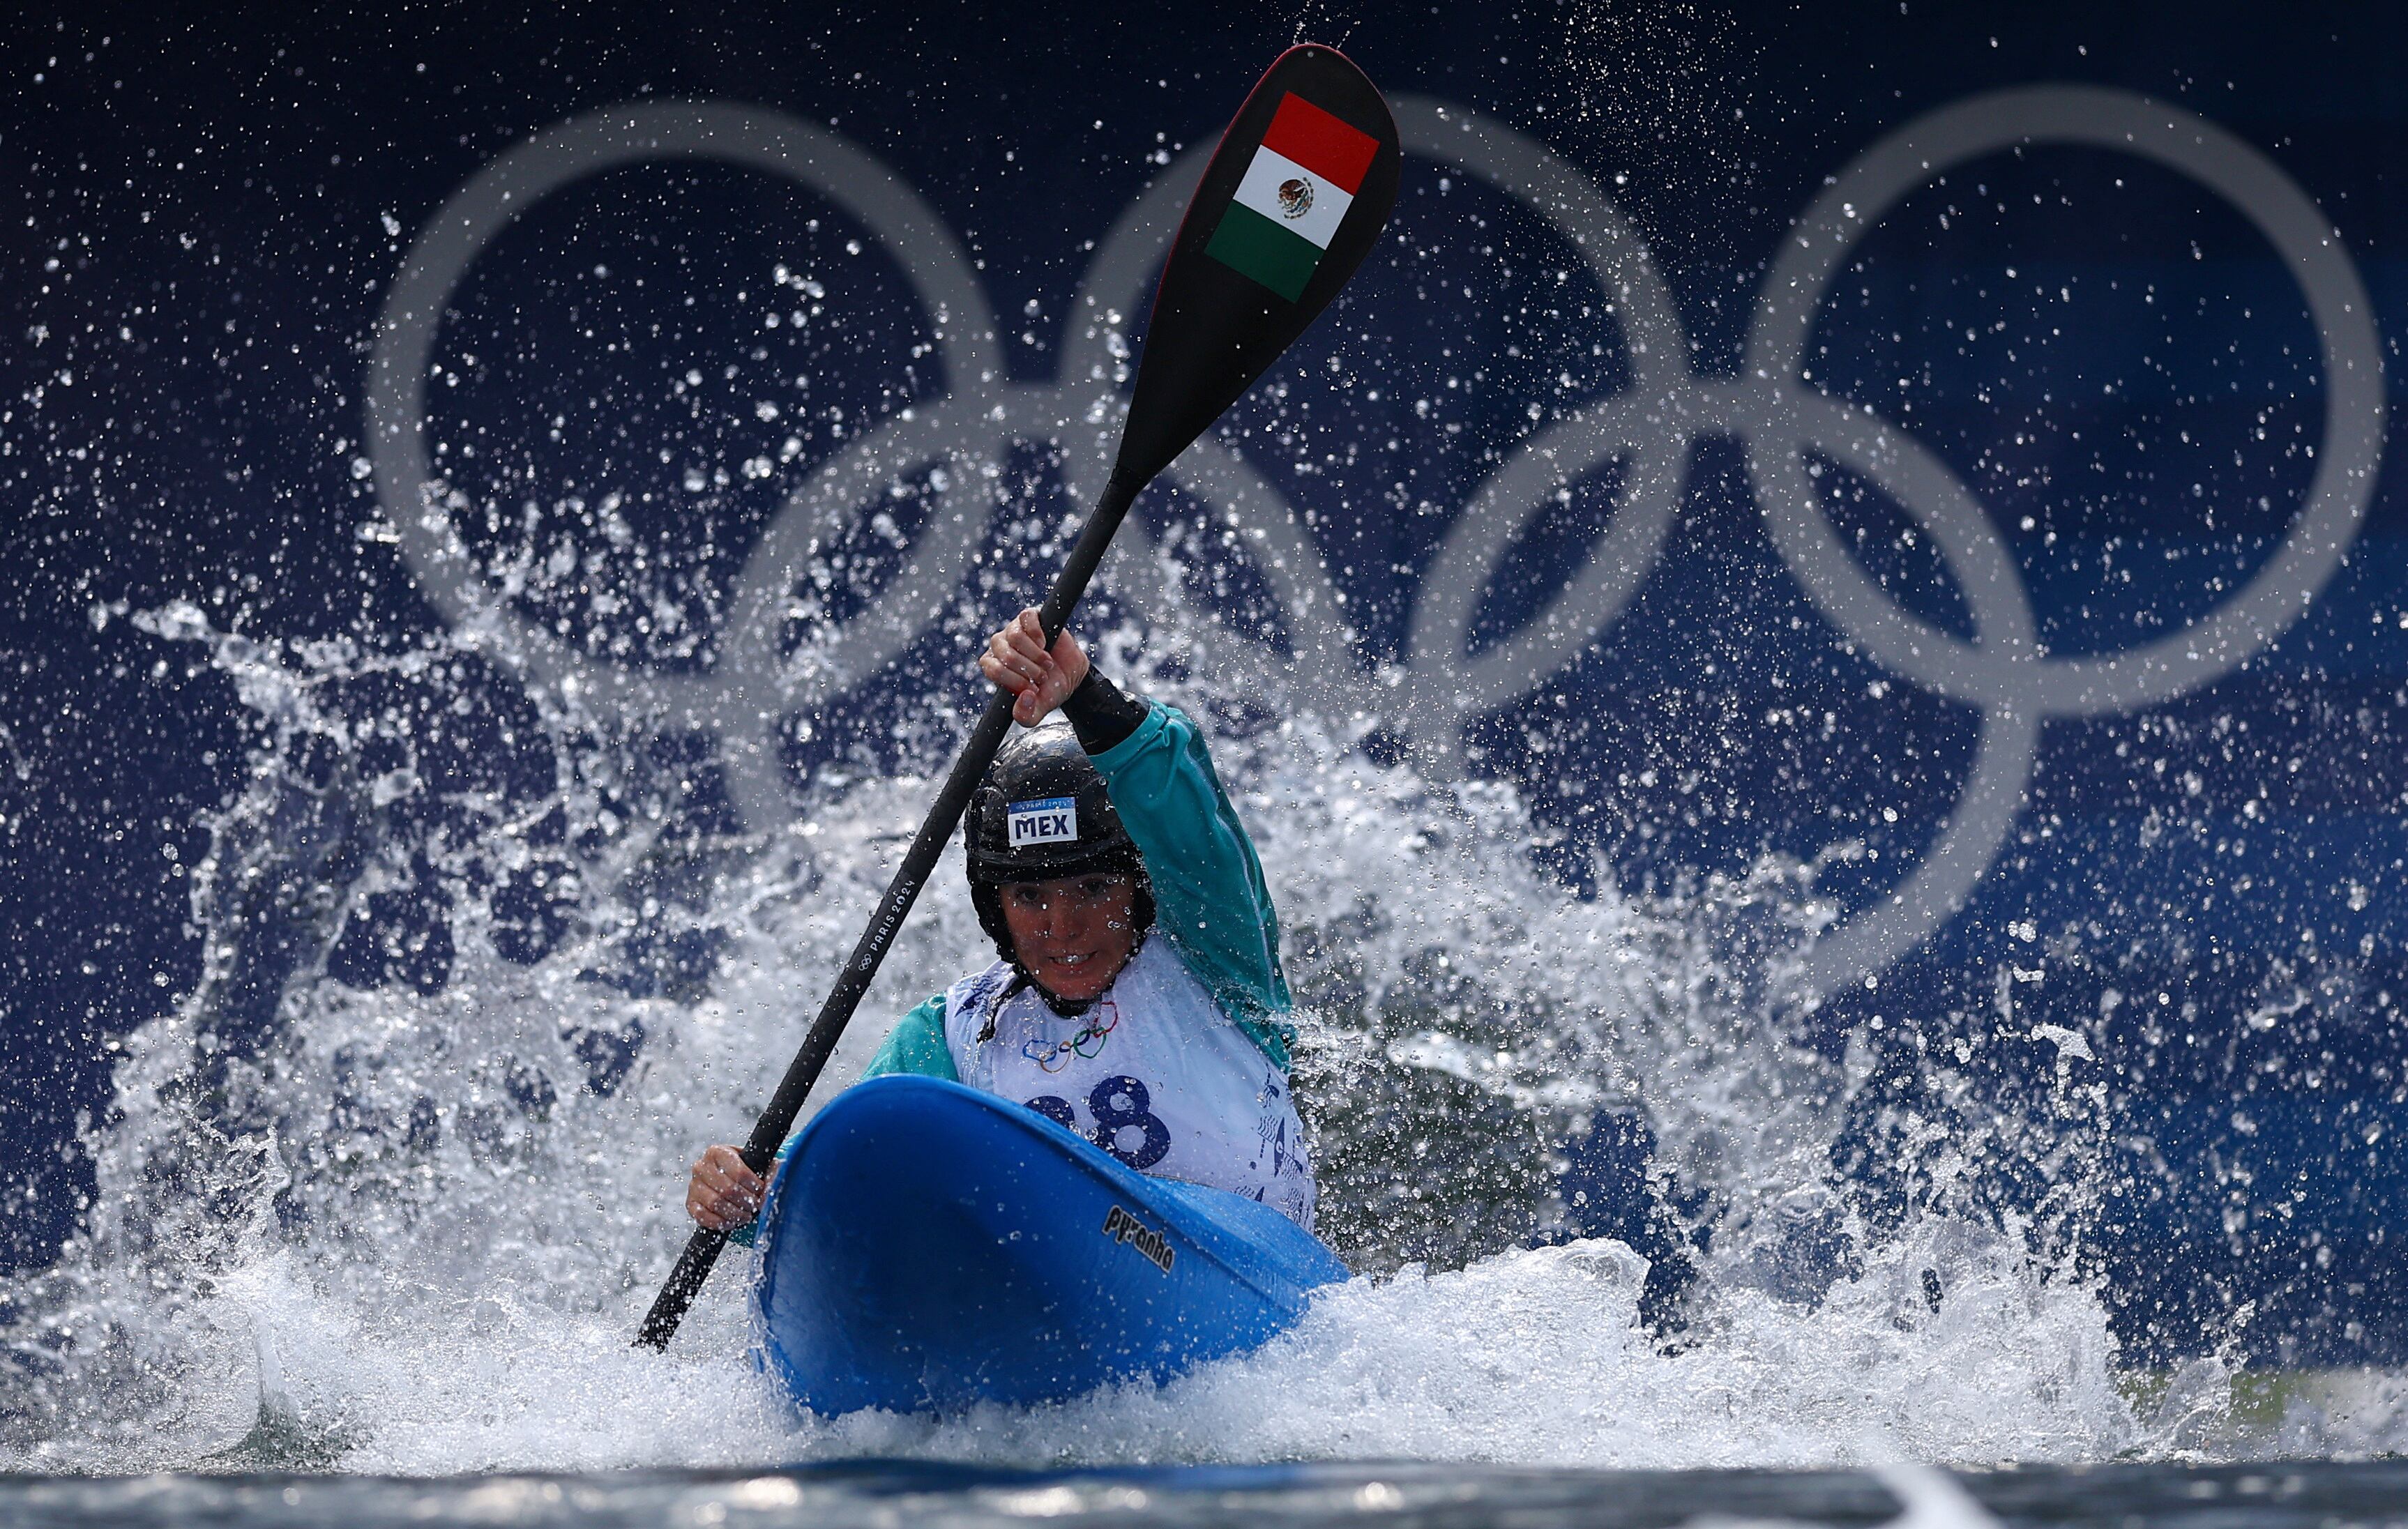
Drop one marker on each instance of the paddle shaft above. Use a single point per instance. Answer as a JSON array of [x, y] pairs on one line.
[[770, 1132], [1214, 328]]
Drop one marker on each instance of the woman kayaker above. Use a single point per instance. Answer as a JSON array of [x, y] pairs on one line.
[[1138, 1000]]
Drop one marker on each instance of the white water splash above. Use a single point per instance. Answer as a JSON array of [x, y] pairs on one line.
[[398, 1231]]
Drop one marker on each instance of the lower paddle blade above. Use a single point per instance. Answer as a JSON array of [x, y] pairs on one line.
[[1295, 197]]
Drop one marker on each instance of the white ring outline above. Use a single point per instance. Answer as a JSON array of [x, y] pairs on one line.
[[2203, 651], [1655, 347], [736, 695]]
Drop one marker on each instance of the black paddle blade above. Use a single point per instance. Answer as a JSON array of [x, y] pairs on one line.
[[1293, 200]]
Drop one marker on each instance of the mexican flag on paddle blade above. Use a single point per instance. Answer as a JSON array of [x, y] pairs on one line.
[[1295, 194]]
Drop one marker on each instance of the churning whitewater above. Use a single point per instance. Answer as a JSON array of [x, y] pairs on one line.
[[408, 1226]]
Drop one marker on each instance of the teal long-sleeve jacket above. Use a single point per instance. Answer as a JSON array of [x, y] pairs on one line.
[[1209, 897]]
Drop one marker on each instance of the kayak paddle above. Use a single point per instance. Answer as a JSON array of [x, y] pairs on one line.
[[1294, 198]]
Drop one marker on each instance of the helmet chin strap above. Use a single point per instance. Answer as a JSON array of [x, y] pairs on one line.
[[1068, 1008]]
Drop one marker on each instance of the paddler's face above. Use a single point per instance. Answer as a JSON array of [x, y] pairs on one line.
[[1073, 934]]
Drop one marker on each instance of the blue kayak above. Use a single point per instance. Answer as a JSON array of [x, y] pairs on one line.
[[928, 1246]]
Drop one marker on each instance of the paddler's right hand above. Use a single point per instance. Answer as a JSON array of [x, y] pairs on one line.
[[1016, 658], [724, 1194]]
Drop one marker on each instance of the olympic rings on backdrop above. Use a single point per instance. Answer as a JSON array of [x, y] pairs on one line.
[[1649, 427]]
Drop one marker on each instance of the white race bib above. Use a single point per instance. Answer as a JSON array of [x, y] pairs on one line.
[[1154, 1073]]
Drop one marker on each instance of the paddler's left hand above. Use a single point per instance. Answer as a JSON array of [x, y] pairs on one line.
[[1016, 658], [722, 1194]]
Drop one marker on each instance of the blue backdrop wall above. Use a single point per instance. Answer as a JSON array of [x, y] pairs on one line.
[[1949, 444]]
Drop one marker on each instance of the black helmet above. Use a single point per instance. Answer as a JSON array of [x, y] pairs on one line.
[[1041, 814]]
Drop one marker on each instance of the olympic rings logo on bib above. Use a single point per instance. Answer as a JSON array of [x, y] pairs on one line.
[[1083, 1044], [1771, 409]]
